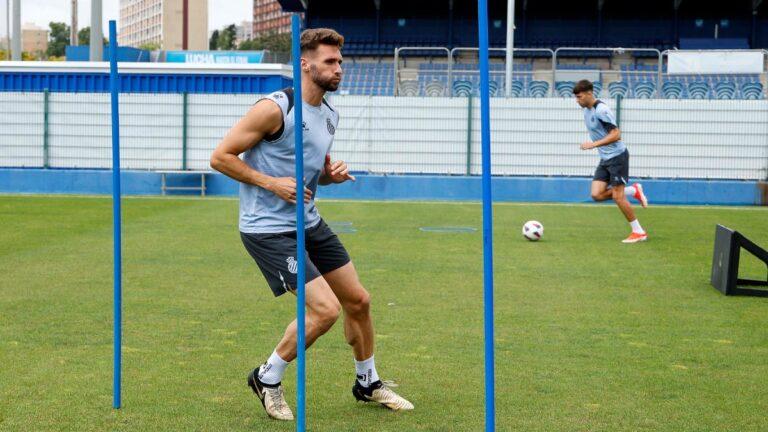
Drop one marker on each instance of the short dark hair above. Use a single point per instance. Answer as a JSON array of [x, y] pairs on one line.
[[583, 86], [312, 38]]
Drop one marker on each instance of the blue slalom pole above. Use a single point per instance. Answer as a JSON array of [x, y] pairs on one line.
[[298, 107], [485, 134], [114, 89]]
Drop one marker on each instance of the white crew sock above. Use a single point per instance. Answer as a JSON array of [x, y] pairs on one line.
[[273, 370], [636, 228], [630, 191], [366, 372]]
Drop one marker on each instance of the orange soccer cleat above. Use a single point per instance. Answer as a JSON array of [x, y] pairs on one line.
[[635, 238]]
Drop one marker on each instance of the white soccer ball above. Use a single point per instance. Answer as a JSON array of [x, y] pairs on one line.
[[533, 230]]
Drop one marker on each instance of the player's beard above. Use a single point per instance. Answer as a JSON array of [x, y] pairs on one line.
[[327, 84]]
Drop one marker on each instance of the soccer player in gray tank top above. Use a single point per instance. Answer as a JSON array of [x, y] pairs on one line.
[[268, 193], [611, 178]]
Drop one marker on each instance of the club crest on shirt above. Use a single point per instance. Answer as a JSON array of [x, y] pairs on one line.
[[331, 129]]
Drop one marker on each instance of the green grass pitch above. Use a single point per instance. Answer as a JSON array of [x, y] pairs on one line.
[[591, 334]]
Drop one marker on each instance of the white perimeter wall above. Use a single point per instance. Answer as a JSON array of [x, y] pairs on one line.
[[666, 138]]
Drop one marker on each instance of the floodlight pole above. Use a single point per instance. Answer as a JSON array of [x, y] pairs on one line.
[[73, 28], [96, 50], [8, 28], [15, 43]]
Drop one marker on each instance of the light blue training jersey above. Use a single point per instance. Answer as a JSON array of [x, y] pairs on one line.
[[261, 211], [600, 120]]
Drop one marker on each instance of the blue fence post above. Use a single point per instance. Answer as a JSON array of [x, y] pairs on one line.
[[300, 274], [485, 132], [114, 88]]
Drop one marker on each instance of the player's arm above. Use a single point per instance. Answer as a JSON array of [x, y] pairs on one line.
[[263, 119], [605, 116], [334, 172], [614, 134]]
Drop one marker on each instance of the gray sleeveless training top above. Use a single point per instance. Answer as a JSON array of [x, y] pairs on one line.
[[262, 211]]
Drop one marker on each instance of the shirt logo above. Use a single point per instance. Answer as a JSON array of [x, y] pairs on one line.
[[331, 129], [304, 125]]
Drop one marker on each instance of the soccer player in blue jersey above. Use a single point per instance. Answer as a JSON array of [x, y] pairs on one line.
[[268, 193], [612, 174]]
